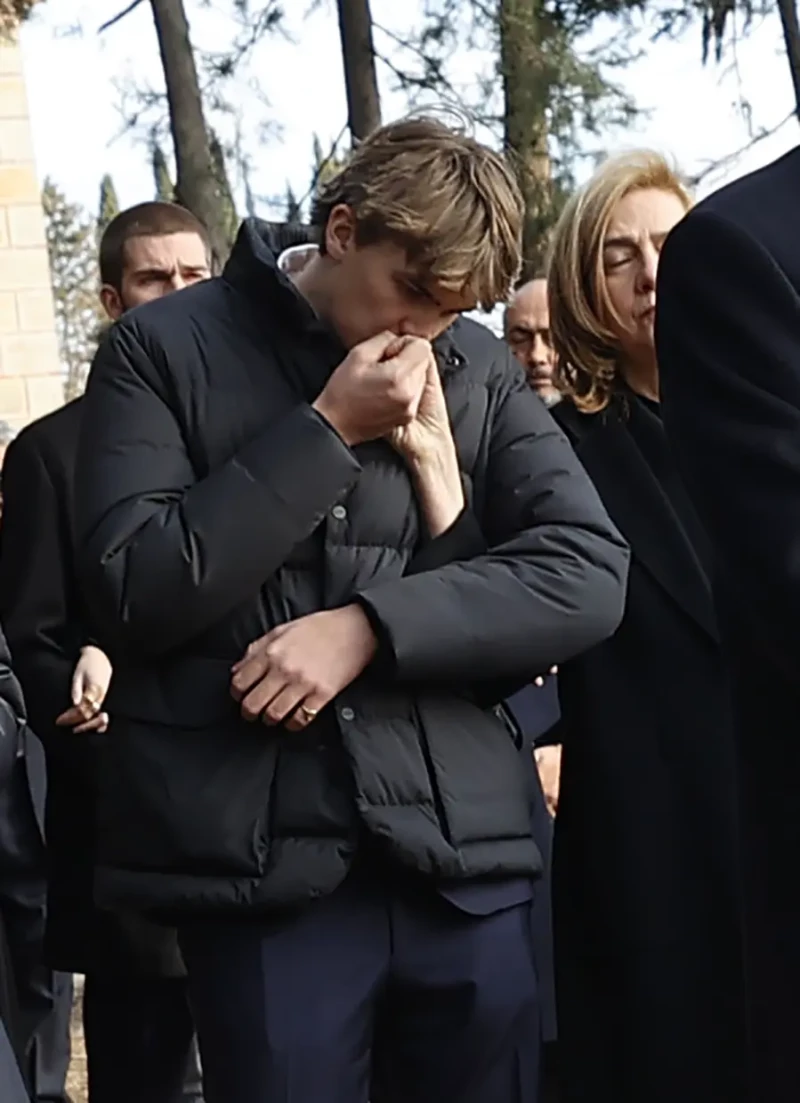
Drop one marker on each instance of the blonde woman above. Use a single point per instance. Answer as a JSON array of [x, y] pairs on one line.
[[646, 902]]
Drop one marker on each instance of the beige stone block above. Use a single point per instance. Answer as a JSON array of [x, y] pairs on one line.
[[35, 311], [8, 312], [29, 354], [16, 141], [13, 398], [18, 184], [45, 394], [10, 57], [24, 269], [3, 229], [25, 225], [13, 100]]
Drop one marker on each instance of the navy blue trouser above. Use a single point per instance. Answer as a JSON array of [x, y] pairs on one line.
[[380, 993]]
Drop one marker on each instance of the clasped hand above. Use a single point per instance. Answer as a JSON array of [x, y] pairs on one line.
[[90, 681], [389, 386], [289, 675]]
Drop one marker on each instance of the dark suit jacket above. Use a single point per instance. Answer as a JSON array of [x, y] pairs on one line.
[[647, 935], [46, 621], [728, 334]]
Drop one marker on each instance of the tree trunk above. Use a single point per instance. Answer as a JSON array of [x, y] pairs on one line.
[[363, 102], [791, 36], [526, 93], [197, 187]]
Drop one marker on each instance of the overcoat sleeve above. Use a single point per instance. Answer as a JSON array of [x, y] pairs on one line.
[[33, 584], [165, 553], [550, 583], [728, 336]]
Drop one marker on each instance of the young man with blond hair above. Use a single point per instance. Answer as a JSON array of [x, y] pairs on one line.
[[327, 526]]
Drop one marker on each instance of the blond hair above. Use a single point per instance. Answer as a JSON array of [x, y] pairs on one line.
[[453, 204], [587, 350]]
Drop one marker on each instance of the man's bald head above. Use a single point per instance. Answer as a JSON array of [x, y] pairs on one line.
[[527, 329]]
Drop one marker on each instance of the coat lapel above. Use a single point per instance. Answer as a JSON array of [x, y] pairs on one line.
[[645, 517]]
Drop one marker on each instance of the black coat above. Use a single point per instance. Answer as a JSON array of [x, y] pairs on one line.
[[214, 504], [645, 888], [24, 992], [46, 621], [729, 345]]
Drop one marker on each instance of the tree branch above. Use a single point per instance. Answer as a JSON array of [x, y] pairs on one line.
[[119, 16], [730, 159]]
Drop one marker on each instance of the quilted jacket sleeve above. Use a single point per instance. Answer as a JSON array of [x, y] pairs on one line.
[[550, 584], [164, 554]]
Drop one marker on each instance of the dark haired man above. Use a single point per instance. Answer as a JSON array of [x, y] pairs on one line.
[[137, 1024], [309, 628]]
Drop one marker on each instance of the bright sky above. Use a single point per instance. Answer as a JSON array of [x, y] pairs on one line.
[[76, 108]]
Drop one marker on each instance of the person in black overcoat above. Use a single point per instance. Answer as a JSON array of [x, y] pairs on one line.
[[646, 898], [137, 1023], [25, 997], [728, 338]]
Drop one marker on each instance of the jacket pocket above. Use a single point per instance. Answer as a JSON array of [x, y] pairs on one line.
[[185, 801], [479, 774]]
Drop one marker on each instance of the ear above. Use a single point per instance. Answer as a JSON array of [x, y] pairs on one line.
[[112, 303], [340, 232]]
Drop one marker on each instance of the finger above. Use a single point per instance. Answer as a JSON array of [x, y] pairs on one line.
[[554, 670], [98, 723], [538, 681], [307, 712], [284, 705], [376, 347], [249, 674], [262, 695], [70, 718], [77, 686], [414, 356]]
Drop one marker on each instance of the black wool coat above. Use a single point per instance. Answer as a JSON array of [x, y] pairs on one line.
[[46, 620], [214, 504], [728, 333], [646, 911]]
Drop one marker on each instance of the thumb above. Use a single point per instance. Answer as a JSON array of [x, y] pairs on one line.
[[77, 685]]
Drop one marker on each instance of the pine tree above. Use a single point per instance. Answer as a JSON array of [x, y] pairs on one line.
[[325, 166], [109, 205], [293, 213], [230, 219], [72, 249], [165, 189]]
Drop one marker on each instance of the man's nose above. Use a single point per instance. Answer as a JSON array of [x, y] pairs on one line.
[[540, 353], [177, 281]]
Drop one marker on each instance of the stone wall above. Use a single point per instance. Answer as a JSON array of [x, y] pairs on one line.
[[31, 381]]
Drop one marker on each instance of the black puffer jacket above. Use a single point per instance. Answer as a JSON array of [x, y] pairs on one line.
[[215, 504]]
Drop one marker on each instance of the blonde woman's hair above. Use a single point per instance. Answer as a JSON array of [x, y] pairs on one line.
[[587, 351], [453, 204]]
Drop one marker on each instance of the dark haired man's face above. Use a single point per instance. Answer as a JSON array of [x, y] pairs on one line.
[[373, 289], [155, 266]]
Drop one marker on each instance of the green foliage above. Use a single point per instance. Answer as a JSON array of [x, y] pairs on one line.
[[293, 213], [227, 203], [72, 250], [164, 187], [109, 205], [325, 165]]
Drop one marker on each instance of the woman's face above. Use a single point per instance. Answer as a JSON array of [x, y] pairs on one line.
[[637, 230]]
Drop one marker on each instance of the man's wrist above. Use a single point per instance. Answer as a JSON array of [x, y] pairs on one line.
[[333, 418]]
